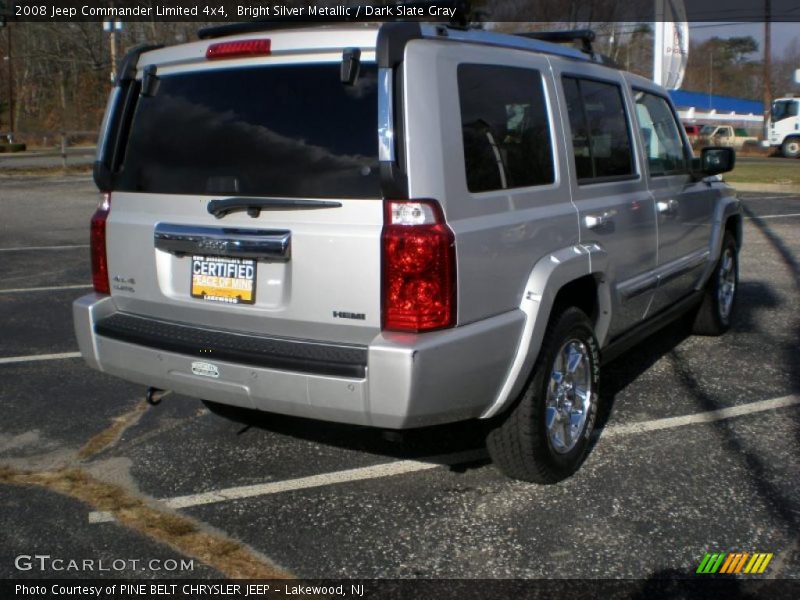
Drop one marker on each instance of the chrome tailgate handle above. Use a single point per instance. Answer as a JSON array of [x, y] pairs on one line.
[[265, 244]]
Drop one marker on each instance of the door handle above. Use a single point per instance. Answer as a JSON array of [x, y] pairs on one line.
[[668, 207], [595, 221]]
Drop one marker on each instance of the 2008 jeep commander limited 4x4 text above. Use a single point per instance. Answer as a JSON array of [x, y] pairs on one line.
[[399, 226]]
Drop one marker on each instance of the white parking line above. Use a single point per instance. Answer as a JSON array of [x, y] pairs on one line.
[[51, 288], [773, 216], [703, 417], [37, 357], [411, 466], [24, 248], [324, 479]]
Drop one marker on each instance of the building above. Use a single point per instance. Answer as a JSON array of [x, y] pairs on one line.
[[702, 108]]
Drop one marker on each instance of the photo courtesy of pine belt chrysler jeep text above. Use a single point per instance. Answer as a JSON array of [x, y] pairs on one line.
[[399, 225]]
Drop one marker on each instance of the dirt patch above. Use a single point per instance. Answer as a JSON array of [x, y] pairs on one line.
[[111, 434], [231, 558]]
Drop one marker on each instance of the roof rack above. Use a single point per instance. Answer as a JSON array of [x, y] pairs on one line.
[[585, 36], [460, 19]]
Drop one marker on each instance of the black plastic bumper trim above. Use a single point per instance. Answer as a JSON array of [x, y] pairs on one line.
[[315, 358]]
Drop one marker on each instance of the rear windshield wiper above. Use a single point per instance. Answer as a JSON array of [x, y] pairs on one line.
[[254, 206]]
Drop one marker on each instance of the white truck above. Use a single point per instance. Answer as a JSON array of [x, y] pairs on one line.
[[783, 126]]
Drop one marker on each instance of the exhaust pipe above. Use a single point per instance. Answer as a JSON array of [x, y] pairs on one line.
[[154, 395]]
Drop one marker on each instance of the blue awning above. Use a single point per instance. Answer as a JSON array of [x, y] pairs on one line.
[[724, 104]]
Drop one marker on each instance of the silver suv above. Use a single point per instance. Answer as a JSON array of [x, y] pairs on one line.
[[399, 226]]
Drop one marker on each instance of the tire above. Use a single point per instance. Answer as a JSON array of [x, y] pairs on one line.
[[791, 147], [715, 313], [521, 445]]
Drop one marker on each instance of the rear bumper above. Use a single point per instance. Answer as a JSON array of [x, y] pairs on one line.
[[398, 381]]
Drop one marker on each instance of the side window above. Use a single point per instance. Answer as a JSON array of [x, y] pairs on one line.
[[662, 141], [601, 140], [504, 127]]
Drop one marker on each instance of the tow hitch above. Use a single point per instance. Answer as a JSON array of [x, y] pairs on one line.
[[154, 395]]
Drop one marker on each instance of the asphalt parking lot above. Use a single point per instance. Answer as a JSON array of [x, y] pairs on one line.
[[698, 451]]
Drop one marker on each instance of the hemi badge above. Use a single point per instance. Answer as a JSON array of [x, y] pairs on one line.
[[340, 314], [205, 369]]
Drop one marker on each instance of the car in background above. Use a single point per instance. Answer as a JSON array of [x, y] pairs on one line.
[[725, 135], [692, 132], [784, 127]]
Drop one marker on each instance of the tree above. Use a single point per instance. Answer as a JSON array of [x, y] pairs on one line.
[[723, 67], [783, 70]]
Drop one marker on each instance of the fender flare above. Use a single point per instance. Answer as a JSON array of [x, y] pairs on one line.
[[727, 207], [545, 280]]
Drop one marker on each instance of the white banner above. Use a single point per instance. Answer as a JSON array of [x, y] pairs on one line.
[[671, 50]]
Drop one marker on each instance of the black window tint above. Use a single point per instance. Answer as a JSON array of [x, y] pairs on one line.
[[783, 109], [580, 131], [599, 129], [265, 131], [504, 128]]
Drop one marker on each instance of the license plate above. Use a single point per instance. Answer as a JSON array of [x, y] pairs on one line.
[[221, 279]]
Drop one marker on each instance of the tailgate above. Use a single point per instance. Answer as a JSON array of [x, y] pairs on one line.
[[248, 199], [327, 286]]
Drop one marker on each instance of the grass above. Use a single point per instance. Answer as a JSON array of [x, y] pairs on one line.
[[149, 518], [780, 172], [23, 172], [229, 557], [111, 434]]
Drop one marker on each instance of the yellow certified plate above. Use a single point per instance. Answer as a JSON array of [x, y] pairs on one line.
[[221, 279]]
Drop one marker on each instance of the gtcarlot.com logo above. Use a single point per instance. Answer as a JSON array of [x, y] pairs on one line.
[[46, 562], [734, 563]]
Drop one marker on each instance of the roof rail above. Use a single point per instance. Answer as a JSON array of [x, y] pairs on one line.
[[459, 20], [585, 36]]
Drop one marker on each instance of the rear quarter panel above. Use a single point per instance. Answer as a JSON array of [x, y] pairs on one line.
[[500, 235]]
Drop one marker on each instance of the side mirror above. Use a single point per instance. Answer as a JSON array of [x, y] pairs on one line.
[[714, 160]]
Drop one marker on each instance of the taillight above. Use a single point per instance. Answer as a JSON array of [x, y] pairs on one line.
[[419, 267], [98, 246], [260, 47]]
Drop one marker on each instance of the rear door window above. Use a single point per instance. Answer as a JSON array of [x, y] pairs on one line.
[[601, 139], [281, 131]]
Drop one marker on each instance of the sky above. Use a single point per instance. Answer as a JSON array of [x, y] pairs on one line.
[[782, 33]]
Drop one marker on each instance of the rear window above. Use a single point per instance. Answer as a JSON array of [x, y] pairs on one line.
[[280, 131]]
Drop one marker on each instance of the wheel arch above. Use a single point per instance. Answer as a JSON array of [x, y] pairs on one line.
[[574, 272], [792, 137], [727, 217]]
